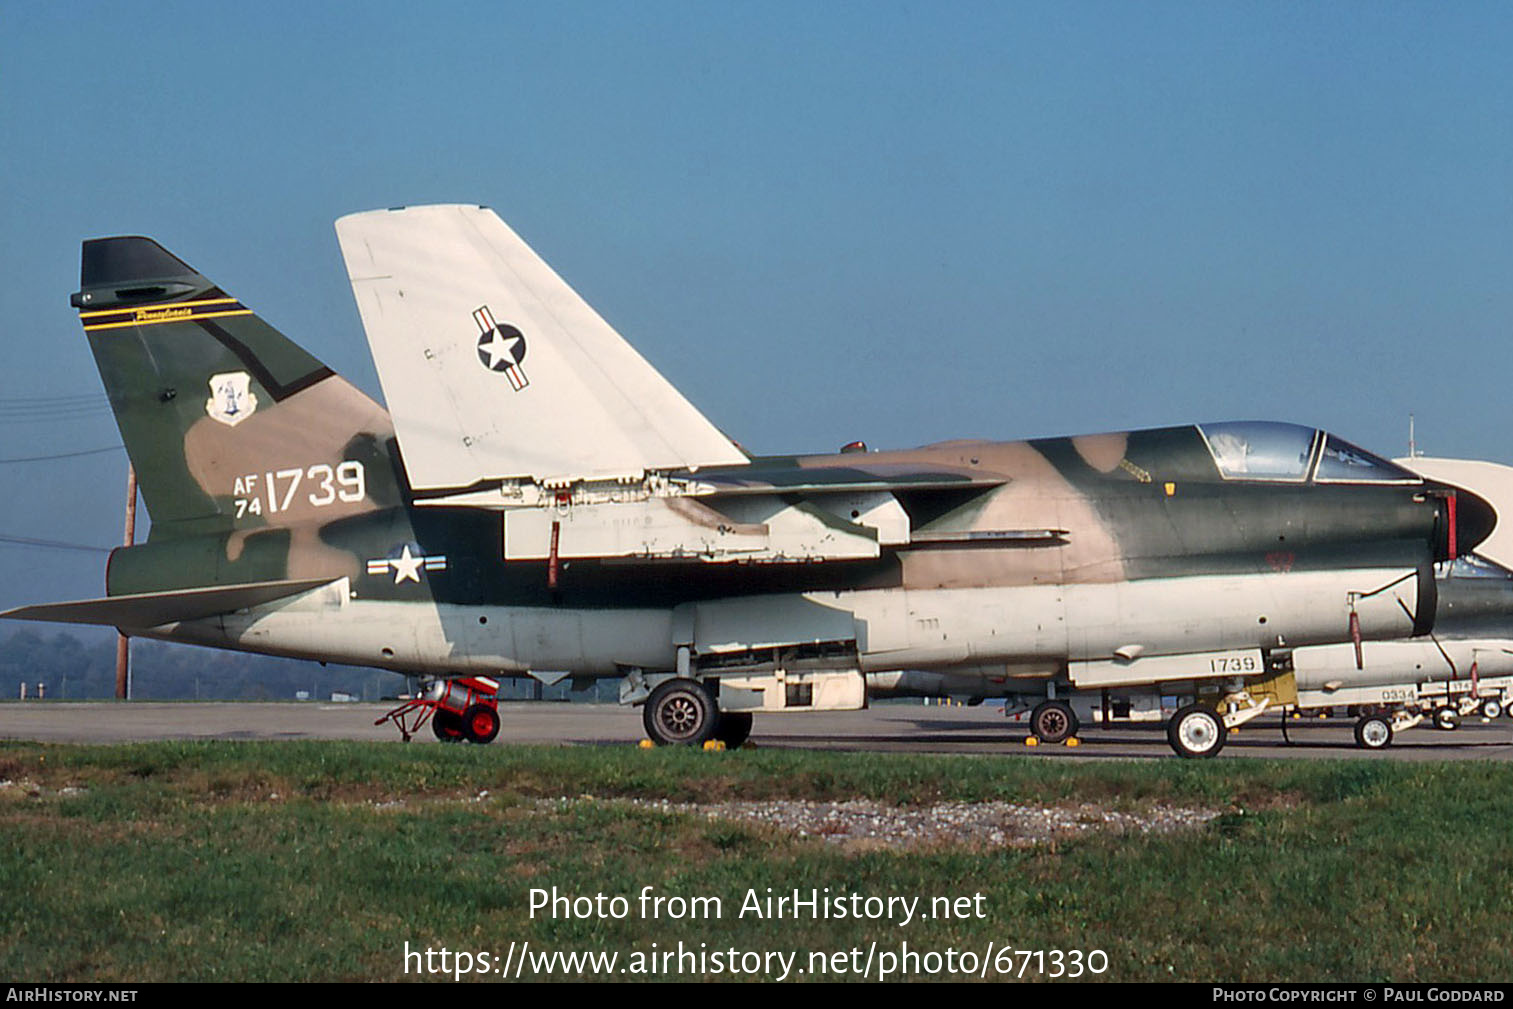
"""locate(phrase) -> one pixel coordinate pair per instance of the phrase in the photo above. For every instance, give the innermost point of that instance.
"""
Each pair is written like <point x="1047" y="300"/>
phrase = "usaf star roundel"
<point x="406" y="562"/>
<point x="501" y="348"/>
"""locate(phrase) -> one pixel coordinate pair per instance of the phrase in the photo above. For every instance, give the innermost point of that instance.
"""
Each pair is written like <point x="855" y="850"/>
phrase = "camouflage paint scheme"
<point x="282" y="522"/>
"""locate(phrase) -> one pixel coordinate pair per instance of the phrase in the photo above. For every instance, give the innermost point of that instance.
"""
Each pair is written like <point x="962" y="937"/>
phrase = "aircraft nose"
<point x="1474" y="519"/>
<point x="1483" y="490"/>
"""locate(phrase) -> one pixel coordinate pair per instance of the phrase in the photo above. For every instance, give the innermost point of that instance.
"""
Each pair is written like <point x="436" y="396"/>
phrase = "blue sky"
<point x="896" y="222"/>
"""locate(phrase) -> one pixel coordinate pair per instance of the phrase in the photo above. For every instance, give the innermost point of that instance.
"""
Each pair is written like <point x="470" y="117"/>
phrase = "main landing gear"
<point x="465" y="709"/>
<point x="1196" y="731"/>
<point x="1053" y="721"/>
<point x="683" y="712"/>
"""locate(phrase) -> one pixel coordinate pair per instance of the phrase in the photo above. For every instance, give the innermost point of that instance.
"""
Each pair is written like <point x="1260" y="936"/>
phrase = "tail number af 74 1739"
<point x="275" y="490"/>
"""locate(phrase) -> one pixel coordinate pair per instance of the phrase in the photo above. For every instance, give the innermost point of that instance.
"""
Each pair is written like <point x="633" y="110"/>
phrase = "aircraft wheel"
<point x="1373" y="732"/>
<point x="1491" y="707"/>
<point x="1446" y="718"/>
<point x="1053" y="721"/>
<point x="481" y="723"/>
<point x="1196" y="731"/>
<point x="734" y="728"/>
<point x="446" y="726"/>
<point x="680" y="713"/>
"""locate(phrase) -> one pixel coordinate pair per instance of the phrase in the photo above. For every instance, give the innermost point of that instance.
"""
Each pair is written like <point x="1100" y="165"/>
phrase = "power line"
<point x="53" y="407"/>
<point x="27" y="541"/>
<point x="51" y="417"/>
<point x="47" y="402"/>
<point x="62" y="455"/>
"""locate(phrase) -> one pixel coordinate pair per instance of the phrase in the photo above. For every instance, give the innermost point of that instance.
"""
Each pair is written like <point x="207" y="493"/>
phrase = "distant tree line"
<point x="73" y="669"/>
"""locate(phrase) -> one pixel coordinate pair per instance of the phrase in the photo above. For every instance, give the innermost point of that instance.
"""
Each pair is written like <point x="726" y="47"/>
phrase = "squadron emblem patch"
<point x="501" y="348"/>
<point x="231" y="398"/>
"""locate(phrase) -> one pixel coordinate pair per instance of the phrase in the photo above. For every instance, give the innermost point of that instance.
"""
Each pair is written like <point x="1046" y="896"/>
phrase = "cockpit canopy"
<point x="1269" y="450"/>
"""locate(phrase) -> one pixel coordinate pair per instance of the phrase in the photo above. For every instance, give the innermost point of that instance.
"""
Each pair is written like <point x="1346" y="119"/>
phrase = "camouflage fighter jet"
<point x="540" y="501"/>
<point x="1463" y="667"/>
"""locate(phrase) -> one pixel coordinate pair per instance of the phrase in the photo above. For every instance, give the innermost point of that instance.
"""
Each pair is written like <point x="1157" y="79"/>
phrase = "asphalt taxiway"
<point x="906" y="728"/>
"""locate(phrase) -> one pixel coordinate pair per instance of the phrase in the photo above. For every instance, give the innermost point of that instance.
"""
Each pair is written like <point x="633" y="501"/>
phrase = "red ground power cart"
<point x="464" y="708"/>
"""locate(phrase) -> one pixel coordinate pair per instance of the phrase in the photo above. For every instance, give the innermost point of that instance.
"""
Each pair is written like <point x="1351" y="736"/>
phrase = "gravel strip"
<point x="868" y="823"/>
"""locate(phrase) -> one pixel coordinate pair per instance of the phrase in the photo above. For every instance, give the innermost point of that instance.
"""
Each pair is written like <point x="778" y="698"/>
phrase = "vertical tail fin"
<point x="232" y="428"/>
<point x="495" y="368"/>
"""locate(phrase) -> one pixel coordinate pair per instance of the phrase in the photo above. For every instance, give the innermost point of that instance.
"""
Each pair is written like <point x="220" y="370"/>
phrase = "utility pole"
<point x="123" y="645"/>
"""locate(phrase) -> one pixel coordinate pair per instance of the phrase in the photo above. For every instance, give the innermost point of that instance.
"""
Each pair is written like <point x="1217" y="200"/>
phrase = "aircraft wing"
<point x="864" y="476"/>
<point x="152" y="609"/>
<point x="494" y="368"/>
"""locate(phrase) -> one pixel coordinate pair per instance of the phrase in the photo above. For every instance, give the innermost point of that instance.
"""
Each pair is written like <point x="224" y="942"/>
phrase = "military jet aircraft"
<point x="539" y="500"/>
<point x="1464" y="666"/>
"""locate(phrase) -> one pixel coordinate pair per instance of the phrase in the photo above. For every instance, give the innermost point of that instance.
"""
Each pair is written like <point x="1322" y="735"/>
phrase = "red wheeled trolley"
<point x="465" y="708"/>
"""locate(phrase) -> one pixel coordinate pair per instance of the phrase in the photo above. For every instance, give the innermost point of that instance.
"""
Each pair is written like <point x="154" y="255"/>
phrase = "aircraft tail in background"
<point x="495" y="369"/>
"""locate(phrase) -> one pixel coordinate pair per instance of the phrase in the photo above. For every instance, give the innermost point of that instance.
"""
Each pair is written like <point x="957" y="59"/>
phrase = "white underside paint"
<point x="983" y="632"/>
<point x="1396" y="663"/>
<point x="1168" y="616"/>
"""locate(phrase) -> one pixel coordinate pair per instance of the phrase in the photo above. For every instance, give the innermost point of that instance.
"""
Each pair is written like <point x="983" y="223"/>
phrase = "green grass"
<point x="178" y="862"/>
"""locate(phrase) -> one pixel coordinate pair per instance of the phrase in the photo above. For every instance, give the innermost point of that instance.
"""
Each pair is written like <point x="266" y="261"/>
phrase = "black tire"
<point x="1196" y="732"/>
<point x="680" y="713"/>
<point x="1492" y="707"/>
<point x="481" y="724"/>
<point x="1446" y="718"/>
<point x="734" y="728"/>
<point x="447" y="726"/>
<point x="1373" y="732"/>
<point x="1053" y="721"/>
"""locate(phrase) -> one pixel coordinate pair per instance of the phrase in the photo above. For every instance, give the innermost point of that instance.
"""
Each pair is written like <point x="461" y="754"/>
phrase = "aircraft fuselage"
<point x="1054" y="550"/>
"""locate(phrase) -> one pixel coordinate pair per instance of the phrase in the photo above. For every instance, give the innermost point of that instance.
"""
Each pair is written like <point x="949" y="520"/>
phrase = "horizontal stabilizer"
<point x="495" y="369"/>
<point x="152" y="609"/>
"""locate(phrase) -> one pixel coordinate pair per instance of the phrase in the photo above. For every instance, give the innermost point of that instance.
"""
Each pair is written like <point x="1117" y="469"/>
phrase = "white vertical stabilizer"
<point x="494" y="368"/>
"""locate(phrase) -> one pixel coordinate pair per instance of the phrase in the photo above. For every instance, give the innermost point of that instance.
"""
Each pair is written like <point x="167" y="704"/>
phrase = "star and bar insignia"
<point x="501" y="348"/>
<point x="407" y="565"/>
